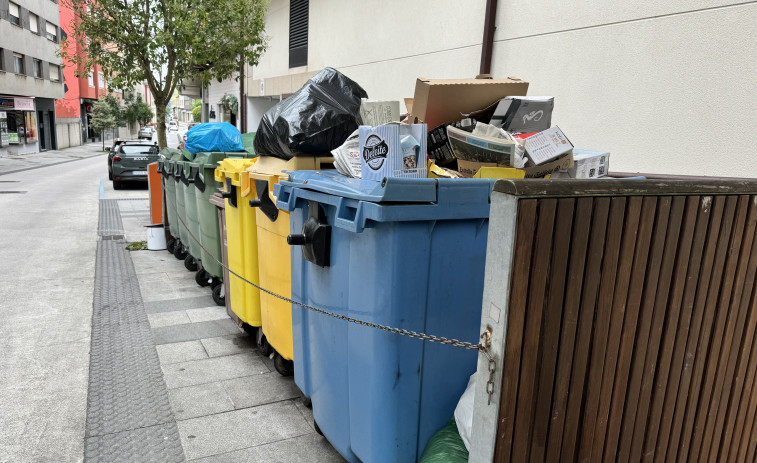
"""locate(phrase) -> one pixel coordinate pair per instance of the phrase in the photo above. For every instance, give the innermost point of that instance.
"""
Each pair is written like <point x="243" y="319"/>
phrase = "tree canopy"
<point x="196" y="110"/>
<point x="103" y="117"/>
<point x="162" y="42"/>
<point x="137" y="110"/>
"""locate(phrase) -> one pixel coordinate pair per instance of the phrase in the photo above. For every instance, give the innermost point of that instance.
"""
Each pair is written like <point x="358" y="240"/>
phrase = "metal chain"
<point x="413" y="334"/>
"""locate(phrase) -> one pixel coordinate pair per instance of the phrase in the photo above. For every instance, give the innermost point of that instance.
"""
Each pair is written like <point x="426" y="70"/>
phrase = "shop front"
<point x="18" y="126"/>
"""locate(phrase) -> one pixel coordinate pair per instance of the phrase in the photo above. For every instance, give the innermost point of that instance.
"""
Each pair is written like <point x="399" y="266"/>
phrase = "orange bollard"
<point x="155" y="186"/>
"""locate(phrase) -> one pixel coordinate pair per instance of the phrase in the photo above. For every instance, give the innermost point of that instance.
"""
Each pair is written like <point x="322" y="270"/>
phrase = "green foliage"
<point x="115" y="109"/>
<point x="196" y="112"/>
<point x="161" y="42"/>
<point x="137" y="246"/>
<point x="137" y="110"/>
<point x="102" y="116"/>
<point x="230" y="103"/>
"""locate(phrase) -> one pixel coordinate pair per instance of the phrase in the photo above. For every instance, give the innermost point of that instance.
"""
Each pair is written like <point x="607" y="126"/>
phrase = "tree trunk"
<point x="160" y="115"/>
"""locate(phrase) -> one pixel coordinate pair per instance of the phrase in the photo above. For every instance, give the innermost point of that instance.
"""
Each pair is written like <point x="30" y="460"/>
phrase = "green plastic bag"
<point x="446" y="446"/>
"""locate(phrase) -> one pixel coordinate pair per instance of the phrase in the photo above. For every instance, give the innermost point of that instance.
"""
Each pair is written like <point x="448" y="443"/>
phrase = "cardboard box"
<point x="469" y="169"/>
<point x="524" y="114"/>
<point x="375" y="113"/>
<point x="547" y="145"/>
<point x="393" y="150"/>
<point x="588" y="164"/>
<point x="443" y="101"/>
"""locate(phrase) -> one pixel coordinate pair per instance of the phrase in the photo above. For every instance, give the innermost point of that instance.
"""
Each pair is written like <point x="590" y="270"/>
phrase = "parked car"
<point x="192" y="124"/>
<point x="130" y="160"/>
<point x="173" y="126"/>
<point x="145" y="132"/>
<point x="116" y="143"/>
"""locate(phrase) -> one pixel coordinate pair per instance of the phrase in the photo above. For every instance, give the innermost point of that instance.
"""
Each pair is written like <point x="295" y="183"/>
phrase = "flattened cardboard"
<point x="443" y="101"/>
<point x="469" y="169"/>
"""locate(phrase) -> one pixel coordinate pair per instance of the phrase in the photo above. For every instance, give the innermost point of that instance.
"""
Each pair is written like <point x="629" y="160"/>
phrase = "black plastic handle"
<point x="255" y="203"/>
<point x="226" y="194"/>
<point x="297" y="240"/>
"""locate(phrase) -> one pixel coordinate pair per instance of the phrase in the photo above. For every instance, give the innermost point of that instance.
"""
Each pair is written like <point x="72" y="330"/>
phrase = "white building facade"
<point x="666" y="87"/>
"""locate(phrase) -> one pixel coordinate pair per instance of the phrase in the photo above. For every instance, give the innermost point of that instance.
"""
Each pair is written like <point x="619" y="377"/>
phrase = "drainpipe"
<point x="488" y="42"/>
<point x="242" y="101"/>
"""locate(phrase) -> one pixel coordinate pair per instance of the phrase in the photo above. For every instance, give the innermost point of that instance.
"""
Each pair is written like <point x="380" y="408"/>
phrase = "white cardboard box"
<point x="588" y="164"/>
<point x="382" y="154"/>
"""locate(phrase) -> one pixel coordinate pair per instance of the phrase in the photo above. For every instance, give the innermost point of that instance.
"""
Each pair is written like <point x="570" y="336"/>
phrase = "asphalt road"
<point x="49" y="237"/>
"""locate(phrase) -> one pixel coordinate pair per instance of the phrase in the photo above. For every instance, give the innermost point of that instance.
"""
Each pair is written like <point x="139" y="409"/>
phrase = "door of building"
<point x="43" y="137"/>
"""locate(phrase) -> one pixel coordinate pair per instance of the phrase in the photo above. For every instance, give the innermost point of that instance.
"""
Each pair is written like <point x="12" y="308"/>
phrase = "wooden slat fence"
<point x="632" y="323"/>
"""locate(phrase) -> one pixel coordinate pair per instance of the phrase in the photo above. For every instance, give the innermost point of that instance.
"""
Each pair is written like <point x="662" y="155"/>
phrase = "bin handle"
<point x="197" y="179"/>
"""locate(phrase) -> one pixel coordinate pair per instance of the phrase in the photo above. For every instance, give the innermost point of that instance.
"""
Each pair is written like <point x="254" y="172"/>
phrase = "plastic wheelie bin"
<point x="182" y="249"/>
<point x="192" y="262"/>
<point x="407" y="253"/>
<point x="273" y="254"/>
<point x="205" y="185"/>
<point x="169" y="186"/>
<point x="241" y="241"/>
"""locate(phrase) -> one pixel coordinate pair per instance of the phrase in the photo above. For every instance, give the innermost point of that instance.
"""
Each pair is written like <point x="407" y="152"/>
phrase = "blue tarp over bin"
<point x="213" y="136"/>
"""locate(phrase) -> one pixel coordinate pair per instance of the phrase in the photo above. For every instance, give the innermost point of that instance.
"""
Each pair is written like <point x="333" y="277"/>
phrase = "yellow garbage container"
<point x="241" y="241"/>
<point x="274" y="254"/>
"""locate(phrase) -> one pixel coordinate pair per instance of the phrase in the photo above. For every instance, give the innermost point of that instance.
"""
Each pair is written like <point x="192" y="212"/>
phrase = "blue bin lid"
<point x="406" y="190"/>
<point x="360" y="202"/>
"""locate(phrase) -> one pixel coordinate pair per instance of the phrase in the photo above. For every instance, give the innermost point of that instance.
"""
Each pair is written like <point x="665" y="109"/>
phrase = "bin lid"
<point x="211" y="159"/>
<point x="405" y="190"/>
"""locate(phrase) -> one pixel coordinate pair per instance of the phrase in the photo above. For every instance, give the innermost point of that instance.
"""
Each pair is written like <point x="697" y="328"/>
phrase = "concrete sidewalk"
<point x="225" y="402"/>
<point x="21" y="162"/>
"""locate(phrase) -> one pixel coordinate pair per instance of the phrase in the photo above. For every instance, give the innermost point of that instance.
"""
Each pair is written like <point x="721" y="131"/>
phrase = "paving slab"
<point x="181" y="352"/>
<point x="239" y="429"/>
<point x="207" y="314"/>
<point x="212" y="369"/>
<point x="177" y="317"/>
<point x="310" y="448"/>
<point x="250" y="391"/>
<point x="229" y="344"/>
<point x="203" y="399"/>
<point x="182" y="303"/>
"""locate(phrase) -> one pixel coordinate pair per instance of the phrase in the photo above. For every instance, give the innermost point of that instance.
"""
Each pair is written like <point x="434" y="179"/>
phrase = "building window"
<point x="54" y="72"/>
<point x="2" y="59"/>
<point x="37" y="68"/>
<point x="18" y="63"/>
<point x="298" y="33"/>
<point x="52" y="32"/>
<point x="91" y="78"/>
<point x="15" y="16"/>
<point x="101" y="79"/>
<point x="34" y="23"/>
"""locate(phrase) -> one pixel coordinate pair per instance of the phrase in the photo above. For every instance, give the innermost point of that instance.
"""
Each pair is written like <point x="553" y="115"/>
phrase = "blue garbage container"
<point x="408" y="253"/>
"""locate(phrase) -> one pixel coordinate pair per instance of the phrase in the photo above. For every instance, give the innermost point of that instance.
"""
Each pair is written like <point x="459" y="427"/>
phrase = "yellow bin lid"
<point x="236" y="170"/>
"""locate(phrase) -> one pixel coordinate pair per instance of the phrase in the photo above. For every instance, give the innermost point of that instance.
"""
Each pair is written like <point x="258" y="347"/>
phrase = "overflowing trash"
<point x="214" y="136"/>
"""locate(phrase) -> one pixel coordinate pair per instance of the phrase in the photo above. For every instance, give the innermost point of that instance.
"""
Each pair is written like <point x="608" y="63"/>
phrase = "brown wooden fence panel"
<point x="632" y="325"/>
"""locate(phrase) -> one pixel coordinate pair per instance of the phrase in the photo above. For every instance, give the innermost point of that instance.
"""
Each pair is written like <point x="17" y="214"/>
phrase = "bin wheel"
<point x="116" y="185"/>
<point x="202" y="277"/>
<point x="317" y="428"/>
<point x="179" y="252"/>
<point x="219" y="296"/>
<point x="283" y="366"/>
<point x="171" y="246"/>
<point x="264" y="348"/>
<point x="190" y="263"/>
<point x="251" y="330"/>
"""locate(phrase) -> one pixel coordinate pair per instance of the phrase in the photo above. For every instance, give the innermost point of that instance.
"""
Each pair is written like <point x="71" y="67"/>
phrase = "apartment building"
<point x="31" y="78"/>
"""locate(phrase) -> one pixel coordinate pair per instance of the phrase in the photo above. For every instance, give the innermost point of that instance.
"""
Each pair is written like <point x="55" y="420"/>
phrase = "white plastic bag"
<point x="464" y="411"/>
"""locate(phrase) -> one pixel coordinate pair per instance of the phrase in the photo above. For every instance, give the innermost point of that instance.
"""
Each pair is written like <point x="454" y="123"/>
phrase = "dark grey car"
<point x="130" y="162"/>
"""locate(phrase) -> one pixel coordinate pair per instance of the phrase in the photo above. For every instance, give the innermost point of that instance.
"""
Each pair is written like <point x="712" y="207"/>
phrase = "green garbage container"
<point x="187" y="187"/>
<point x="166" y="167"/>
<point x="182" y="250"/>
<point x="205" y="185"/>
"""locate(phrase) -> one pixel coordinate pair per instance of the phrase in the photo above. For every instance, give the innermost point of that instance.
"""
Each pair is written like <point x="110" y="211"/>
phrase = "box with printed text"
<point x="393" y="150"/>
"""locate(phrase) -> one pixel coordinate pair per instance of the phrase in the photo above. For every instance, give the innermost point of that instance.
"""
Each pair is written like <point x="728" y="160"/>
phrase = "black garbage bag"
<point x="314" y="120"/>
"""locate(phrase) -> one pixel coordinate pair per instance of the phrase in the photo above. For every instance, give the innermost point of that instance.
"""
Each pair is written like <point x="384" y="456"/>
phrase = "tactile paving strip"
<point x="129" y="417"/>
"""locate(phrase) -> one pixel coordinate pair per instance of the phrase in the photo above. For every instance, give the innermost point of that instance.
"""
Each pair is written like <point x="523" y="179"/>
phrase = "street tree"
<point x="162" y="42"/>
<point x="137" y="111"/>
<point x="196" y="110"/>
<point x="102" y="118"/>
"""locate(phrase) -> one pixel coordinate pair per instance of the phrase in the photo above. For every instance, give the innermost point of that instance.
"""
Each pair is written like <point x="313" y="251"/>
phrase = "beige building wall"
<point x="666" y="87"/>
